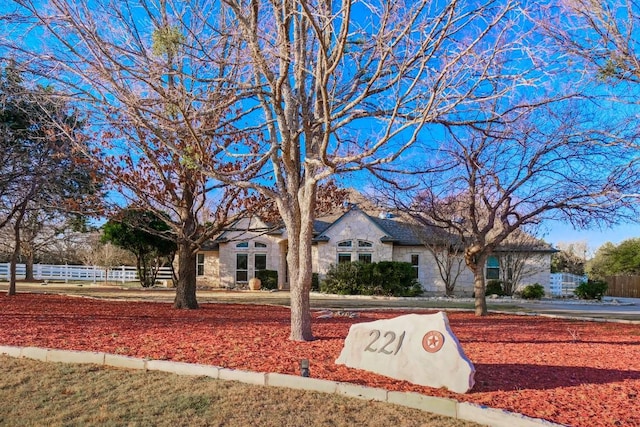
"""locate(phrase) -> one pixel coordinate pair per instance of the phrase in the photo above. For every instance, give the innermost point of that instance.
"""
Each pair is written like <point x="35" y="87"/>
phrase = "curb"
<point x="437" y="405"/>
<point x="566" y="317"/>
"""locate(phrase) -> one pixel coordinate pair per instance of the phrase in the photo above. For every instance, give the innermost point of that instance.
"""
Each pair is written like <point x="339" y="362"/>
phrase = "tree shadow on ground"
<point x="505" y="377"/>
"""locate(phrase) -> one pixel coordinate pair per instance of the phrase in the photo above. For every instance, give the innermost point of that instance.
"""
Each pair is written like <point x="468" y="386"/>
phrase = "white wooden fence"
<point x="93" y="274"/>
<point x="563" y="284"/>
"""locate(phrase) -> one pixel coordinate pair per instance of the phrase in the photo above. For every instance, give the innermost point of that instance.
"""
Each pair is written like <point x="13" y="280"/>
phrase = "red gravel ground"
<point x="571" y="372"/>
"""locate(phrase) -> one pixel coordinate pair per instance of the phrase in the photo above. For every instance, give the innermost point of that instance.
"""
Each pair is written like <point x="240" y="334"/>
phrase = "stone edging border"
<point x="437" y="405"/>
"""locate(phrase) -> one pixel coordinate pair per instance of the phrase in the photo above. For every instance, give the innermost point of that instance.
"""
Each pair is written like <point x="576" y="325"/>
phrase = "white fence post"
<point x="68" y="272"/>
<point x="563" y="284"/>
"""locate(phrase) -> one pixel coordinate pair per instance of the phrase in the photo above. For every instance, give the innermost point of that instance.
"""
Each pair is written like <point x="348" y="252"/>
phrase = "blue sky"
<point x="558" y="232"/>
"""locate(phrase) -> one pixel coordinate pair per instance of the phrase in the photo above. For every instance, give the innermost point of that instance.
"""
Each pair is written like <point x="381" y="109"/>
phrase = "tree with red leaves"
<point x="157" y="86"/>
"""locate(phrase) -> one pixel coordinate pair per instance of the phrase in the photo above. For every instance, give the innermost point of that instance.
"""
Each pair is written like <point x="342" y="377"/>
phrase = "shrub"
<point x="591" y="289"/>
<point x="494" y="287"/>
<point x="535" y="291"/>
<point x="269" y="278"/>
<point x="342" y="279"/>
<point x="315" y="282"/>
<point x="383" y="278"/>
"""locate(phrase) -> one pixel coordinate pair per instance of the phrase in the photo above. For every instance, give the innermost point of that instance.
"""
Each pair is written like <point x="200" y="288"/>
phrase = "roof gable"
<point x="325" y="227"/>
<point x="247" y="228"/>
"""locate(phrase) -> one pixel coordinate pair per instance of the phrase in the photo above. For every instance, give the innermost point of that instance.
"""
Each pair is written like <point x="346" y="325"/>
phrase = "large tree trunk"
<point x="475" y="258"/>
<point x="300" y="274"/>
<point x="186" y="286"/>
<point x="299" y="223"/>
<point x="187" y="250"/>
<point x="479" y="289"/>
<point x="29" y="267"/>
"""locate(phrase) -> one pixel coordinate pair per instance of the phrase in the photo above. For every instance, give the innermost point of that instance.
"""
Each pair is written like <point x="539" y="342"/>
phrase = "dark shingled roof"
<point x="210" y="245"/>
<point x="397" y="230"/>
<point x="400" y="231"/>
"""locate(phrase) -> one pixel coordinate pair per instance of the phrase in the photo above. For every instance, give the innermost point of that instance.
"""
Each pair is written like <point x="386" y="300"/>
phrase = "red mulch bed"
<point x="570" y="372"/>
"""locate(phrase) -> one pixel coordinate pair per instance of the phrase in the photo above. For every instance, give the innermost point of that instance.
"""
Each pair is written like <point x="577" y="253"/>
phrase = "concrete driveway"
<point x="625" y="309"/>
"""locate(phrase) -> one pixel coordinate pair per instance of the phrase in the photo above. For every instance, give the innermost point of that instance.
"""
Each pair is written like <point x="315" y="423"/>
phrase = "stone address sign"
<point x="419" y="348"/>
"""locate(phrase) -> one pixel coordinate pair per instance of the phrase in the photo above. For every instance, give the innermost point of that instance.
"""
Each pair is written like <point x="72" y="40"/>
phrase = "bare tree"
<point x="105" y="255"/>
<point x="446" y="250"/>
<point x="345" y="86"/>
<point x="498" y="178"/>
<point x="39" y="227"/>
<point x="570" y="258"/>
<point x="155" y="80"/>
<point x="520" y="257"/>
<point x="601" y="34"/>
<point x="450" y="263"/>
<point x="324" y="87"/>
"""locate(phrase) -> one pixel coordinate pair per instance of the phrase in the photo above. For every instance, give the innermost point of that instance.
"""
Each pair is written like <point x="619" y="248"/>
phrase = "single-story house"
<point x="250" y="245"/>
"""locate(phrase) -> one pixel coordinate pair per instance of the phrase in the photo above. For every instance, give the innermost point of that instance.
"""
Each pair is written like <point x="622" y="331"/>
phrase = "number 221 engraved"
<point x="389" y="338"/>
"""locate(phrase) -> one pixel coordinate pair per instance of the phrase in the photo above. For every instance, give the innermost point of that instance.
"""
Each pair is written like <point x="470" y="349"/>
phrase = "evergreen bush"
<point x="494" y="287"/>
<point x="388" y="278"/>
<point x="591" y="289"/>
<point x="535" y="291"/>
<point x="341" y="279"/>
<point x="269" y="278"/>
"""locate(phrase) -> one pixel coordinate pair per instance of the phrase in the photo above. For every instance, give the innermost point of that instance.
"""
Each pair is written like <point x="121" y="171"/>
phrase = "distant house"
<point x="250" y="245"/>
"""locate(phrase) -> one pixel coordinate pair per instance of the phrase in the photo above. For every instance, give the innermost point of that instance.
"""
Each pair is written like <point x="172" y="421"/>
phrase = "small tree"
<point x="145" y="235"/>
<point x="45" y="173"/>
<point x="447" y="252"/>
<point x="519" y="257"/>
<point x="570" y="258"/>
<point x="105" y="255"/>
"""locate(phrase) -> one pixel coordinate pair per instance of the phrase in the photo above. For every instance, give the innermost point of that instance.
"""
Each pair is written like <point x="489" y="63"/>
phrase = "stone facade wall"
<point x="211" y="276"/>
<point x="538" y="269"/>
<point x="354" y="226"/>
<point x="228" y="258"/>
<point x="365" y="237"/>
<point x="428" y="273"/>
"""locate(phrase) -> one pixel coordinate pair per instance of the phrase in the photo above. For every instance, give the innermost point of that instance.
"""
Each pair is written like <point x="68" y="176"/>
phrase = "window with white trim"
<point x="493" y="268"/>
<point x="364" y="258"/>
<point x="415" y="263"/>
<point x="259" y="262"/>
<point x="345" y="244"/>
<point x="242" y="268"/>
<point x="344" y="257"/>
<point x="355" y="250"/>
<point x="200" y="264"/>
